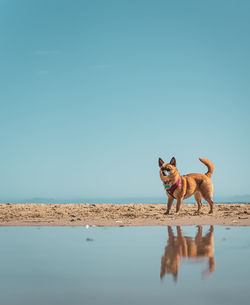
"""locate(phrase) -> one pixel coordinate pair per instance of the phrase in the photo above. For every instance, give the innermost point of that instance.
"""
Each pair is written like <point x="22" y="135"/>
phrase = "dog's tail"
<point x="209" y="165"/>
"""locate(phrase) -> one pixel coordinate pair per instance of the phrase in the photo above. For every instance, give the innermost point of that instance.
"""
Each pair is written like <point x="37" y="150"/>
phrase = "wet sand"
<point x="121" y="215"/>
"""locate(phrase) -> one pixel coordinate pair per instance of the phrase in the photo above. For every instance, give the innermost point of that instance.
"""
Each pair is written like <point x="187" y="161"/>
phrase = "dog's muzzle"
<point x="165" y="172"/>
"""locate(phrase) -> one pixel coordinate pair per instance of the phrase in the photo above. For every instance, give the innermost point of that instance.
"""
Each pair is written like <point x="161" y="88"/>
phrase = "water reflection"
<point x="198" y="249"/>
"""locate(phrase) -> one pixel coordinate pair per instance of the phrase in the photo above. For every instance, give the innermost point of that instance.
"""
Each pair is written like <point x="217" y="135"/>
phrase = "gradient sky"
<point x="93" y="92"/>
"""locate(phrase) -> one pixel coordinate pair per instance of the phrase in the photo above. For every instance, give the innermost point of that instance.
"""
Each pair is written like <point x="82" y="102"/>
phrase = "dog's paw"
<point x="197" y="213"/>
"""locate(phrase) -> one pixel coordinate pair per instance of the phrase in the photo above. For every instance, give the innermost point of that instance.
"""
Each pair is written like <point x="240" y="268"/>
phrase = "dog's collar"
<point x="167" y="184"/>
<point x="171" y="189"/>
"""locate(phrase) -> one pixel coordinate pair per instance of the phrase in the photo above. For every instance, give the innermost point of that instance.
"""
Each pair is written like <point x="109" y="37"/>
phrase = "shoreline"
<point x="38" y="214"/>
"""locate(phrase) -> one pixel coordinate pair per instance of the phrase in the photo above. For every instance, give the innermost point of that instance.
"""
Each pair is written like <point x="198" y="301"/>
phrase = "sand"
<point x="121" y="215"/>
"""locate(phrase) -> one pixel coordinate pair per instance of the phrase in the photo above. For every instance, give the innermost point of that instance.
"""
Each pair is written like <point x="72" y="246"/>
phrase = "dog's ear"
<point x="173" y="161"/>
<point x="160" y="162"/>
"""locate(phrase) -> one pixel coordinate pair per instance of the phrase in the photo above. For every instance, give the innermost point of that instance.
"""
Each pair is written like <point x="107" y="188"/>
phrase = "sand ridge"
<point x="120" y="215"/>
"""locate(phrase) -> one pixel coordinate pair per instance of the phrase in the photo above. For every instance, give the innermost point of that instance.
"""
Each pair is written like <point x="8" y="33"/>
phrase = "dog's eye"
<point x="168" y="169"/>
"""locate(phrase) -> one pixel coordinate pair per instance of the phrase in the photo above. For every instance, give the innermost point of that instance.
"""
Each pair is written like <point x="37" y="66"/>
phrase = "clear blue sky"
<point x="93" y="92"/>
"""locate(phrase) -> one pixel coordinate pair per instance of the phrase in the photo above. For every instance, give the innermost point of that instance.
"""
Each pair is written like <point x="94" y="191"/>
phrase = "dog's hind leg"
<point x="206" y="190"/>
<point x="211" y="203"/>
<point x="209" y="199"/>
<point x="198" y="197"/>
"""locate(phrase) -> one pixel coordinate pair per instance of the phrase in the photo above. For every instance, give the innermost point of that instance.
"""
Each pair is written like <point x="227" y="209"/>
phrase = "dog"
<point x="182" y="187"/>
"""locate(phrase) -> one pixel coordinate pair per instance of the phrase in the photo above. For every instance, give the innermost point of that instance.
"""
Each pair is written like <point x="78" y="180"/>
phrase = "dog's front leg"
<point x="178" y="204"/>
<point x="170" y="201"/>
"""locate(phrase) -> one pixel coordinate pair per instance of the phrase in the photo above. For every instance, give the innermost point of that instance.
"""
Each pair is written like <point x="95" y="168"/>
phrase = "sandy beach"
<point x="121" y="215"/>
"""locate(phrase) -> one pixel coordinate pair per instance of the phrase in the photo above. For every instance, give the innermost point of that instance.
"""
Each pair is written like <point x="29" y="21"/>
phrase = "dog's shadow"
<point x="195" y="250"/>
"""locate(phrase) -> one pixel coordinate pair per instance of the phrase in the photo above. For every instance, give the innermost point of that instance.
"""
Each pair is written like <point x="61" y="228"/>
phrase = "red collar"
<point x="173" y="187"/>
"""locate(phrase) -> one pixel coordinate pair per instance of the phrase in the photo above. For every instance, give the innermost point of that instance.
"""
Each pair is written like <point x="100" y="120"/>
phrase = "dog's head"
<point x="167" y="170"/>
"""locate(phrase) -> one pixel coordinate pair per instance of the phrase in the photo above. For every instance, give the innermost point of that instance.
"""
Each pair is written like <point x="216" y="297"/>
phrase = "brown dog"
<point x="182" y="187"/>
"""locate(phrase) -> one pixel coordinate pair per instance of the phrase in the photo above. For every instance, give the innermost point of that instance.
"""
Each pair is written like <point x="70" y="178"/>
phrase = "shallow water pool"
<point x="124" y="265"/>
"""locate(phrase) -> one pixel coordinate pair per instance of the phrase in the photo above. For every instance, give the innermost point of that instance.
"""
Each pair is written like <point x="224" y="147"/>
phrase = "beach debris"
<point x="118" y="221"/>
<point x="89" y="239"/>
<point x="243" y="217"/>
<point x="78" y="218"/>
<point x="72" y="220"/>
<point x="87" y="226"/>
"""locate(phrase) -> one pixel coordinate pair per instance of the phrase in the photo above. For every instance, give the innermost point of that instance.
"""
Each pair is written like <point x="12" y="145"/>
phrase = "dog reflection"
<point x="180" y="247"/>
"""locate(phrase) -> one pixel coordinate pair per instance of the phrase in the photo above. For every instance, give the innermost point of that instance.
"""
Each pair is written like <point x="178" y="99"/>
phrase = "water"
<point x="142" y="200"/>
<point x="124" y="265"/>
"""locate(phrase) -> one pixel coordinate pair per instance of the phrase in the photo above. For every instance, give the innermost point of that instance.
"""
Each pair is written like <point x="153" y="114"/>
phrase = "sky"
<point x="92" y="93"/>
